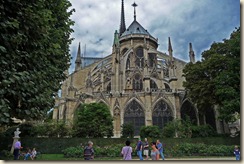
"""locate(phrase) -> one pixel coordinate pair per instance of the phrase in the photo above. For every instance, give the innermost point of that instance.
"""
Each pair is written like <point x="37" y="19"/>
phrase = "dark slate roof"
<point x="135" y="28"/>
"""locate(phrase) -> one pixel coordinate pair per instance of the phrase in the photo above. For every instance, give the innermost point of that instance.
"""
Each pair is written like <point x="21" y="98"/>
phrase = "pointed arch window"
<point x="152" y="60"/>
<point x="139" y="57"/>
<point x="128" y="62"/>
<point x="137" y="82"/>
<point x="162" y="114"/>
<point x="188" y="111"/>
<point x="134" y="114"/>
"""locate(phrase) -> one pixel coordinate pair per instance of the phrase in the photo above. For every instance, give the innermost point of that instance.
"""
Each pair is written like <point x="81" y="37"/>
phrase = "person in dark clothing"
<point x="89" y="151"/>
<point x="237" y="153"/>
<point x="17" y="147"/>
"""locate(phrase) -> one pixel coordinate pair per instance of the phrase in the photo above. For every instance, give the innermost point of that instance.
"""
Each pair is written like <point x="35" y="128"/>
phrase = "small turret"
<point x="170" y="49"/>
<point x="78" y="59"/>
<point x="191" y="54"/>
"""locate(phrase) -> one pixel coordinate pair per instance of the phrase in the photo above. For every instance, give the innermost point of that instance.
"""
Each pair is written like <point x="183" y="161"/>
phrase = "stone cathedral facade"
<point x="137" y="82"/>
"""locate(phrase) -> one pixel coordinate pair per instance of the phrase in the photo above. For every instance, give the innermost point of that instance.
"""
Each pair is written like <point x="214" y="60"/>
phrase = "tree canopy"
<point x="34" y="53"/>
<point x="215" y="81"/>
<point x="93" y="120"/>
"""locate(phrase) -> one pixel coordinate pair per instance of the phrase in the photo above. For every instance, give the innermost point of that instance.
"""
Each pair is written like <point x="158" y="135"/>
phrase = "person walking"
<point x="237" y="153"/>
<point x="146" y="148"/>
<point x="126" y="151"/>
<point x="138" y="148"/>
<point x="17" y="147"/>
<point x="160" y="148"/>
<point x="154" y="151"/>
<point x="89" y="151"/>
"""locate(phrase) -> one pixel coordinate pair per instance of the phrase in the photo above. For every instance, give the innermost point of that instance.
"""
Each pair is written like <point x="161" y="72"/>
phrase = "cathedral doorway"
<point x="134" y="114"/>
<point x="162" y="114"/>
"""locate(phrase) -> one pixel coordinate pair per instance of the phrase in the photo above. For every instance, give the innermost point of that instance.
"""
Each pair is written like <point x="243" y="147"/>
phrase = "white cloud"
<point x="198" y="21"/>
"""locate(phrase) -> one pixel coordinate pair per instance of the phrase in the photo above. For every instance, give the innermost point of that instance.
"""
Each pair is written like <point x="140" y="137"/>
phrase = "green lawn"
<point x="60" y="157"/>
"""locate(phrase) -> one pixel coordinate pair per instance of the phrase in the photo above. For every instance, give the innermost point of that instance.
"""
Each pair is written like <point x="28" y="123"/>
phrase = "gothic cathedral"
<point x="137" y="82"/>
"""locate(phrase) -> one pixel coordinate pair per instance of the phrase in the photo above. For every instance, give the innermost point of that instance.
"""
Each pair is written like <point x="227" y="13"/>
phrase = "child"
<point x="237" y="153"/>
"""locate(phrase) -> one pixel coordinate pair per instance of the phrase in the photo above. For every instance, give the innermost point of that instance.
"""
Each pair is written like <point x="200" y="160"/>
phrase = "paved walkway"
<point x="206" y="158"/>
<point x="198" y="159"/>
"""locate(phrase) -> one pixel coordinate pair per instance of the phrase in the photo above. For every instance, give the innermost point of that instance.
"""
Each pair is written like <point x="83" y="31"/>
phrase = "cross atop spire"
<point x="134" y="5"/>
<point x="122" y="21"/>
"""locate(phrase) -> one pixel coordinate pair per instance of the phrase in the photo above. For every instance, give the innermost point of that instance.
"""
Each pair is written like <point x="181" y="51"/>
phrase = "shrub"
<point x="171" y="128"/>
<point x="73" y="152"/>
<point x="150" y="132"/>
<point x="127" y="130"/>
<point x="6" y="155"/>
<point x="203" y="131"/>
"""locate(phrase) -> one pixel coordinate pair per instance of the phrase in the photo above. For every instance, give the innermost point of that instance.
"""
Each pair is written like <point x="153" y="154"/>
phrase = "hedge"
<point x="57" y="145"/>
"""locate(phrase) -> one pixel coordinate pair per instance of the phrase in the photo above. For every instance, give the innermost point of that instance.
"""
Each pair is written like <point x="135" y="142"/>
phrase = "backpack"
<point x="88" y="152"/>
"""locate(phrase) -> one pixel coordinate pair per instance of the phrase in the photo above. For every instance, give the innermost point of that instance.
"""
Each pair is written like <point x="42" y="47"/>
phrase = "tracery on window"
<point x="152" y="60"/>
<point x="137" y="82"/>
<point x="139" y="57"/>
<point x="134" y="109"/>
<point x="162" y="114"/>
<point x="134" y="114"/>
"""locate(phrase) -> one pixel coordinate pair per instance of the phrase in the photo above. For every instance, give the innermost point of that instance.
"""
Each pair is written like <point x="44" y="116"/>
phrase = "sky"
<point x="200" y="22"/>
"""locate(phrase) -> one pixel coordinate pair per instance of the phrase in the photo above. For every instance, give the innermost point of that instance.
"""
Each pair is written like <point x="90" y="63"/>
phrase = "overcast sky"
<point x="200" y="22"/>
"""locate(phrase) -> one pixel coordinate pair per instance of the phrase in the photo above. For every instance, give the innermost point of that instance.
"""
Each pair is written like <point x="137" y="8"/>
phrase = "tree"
<point x="150" y="131"/>
<point x="93" y="120"/>
<point x="51" y="128"/>
<point x="34" y="53"/>
<point x="127" y="130"/>
<point x="215" y="81"/>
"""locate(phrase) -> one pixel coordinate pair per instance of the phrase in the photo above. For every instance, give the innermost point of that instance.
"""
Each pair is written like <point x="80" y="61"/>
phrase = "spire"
<point x="116" y="38"/>
<point x="134" y="5"/>
<point x="122" y="21"/>
<point x="191" y="54"/>
<point x="170" y="46"/>
<point x="170" y="49"/>
<point x="78" y="59"/>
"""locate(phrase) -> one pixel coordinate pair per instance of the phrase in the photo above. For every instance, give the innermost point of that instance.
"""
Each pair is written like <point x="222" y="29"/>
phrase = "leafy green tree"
<point x="150" y="132"/>
<point x="215" y="81"/>
<point x="34" y="54"/>
<point x="93" y="120"/>
<point x="51" y="129"/>
<point x="127" y="130"/>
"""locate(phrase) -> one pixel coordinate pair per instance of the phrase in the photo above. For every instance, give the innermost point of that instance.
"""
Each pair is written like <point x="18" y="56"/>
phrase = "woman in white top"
<point x="154" y="151"/>
<point x="33" y="153"/>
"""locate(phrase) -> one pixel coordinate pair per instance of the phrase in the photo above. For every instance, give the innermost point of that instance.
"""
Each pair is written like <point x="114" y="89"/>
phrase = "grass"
<point x="60" y="157"/>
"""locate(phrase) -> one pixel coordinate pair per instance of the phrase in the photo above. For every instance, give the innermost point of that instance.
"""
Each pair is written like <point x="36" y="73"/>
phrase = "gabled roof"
<point x="135" y="28"/>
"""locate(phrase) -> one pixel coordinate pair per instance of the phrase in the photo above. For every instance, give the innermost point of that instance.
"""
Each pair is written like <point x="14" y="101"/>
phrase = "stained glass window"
<point x="134" y="114"/>
<point x="162" y="114"/>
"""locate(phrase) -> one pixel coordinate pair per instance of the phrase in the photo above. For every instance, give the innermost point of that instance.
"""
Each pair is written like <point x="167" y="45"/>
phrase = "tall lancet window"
<point x="128" y="62"/>
<point x="139" y="57"/>
<point x="135" y="115"/>
<point x="137" y="82"/>
<point x="152" y="60"/>
<point x="162" y="114"/>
